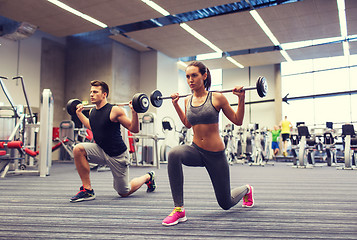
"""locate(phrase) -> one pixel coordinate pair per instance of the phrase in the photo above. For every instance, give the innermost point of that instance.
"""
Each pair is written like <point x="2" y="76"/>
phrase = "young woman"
<point x="207" y="150"/>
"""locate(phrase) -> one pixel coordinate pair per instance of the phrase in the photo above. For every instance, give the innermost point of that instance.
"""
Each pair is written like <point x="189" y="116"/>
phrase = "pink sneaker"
<point x="176" y="216"/>
<point x="248" y="200"/>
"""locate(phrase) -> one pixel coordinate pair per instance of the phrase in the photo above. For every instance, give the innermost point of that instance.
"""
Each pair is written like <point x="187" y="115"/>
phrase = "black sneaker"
<point x="83" y="195"/>
<point x="151" y="183"/>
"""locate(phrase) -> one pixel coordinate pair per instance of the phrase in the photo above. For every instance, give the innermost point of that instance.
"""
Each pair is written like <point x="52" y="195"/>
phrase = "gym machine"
<point x="228" y="139"/>
<point x="249" y="145"/>
<point x="295" y="141"/>
<point x="23" y="137"/>
<point x="170" y="138"/>
<point x="350" y="144"/>
<point x="306" y="148"/>
<point x="165" y="147"/>
<point x="147" y="150"/>
<point x="239" y="152"/>
<point x="260" y="157"/>
<point x="330" y="148"/>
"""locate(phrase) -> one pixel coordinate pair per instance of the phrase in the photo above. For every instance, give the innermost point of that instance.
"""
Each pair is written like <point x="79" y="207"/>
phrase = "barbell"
<point x="261" y="86"/>
<point x="140" y="104"/>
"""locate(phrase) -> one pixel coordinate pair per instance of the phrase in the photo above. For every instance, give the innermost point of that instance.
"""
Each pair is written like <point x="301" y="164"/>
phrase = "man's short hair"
<point x="102" y="84"/>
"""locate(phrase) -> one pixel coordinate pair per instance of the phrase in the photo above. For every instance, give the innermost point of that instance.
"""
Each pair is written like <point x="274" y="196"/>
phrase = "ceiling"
<point x="233" y="33"/>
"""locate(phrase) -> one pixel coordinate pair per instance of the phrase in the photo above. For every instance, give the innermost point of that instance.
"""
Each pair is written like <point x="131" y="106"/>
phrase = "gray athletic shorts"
<point x="119" y="165"/>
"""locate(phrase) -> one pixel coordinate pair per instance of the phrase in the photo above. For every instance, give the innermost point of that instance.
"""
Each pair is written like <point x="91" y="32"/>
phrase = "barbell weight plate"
<point x="265" y="84"/>
<point x="262" y="86"/>
<point x="72" y="106"/>
<point x="155" y="98"/>
<point x="140" y="103"/>
<point x="144" y="102"/>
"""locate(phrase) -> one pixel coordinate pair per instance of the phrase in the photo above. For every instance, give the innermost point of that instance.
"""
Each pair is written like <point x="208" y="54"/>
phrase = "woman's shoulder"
<point x="218" y="95"/>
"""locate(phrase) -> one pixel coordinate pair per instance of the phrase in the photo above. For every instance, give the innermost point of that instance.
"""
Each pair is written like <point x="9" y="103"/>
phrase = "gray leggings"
<point x="217" y="168"/>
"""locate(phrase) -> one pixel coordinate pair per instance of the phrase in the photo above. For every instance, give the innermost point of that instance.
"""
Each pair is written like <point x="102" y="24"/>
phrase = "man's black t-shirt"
<point x="105" y="132"/>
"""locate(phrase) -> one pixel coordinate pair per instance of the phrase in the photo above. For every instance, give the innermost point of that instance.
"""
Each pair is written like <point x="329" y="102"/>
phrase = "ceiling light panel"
<point x="156" y="7"/>
<point x="305" y="20"/>
<point x="242" y="32"/>
<point x="78" y="13"/>
<point x="176" y="7"/>
<point x="342" y="17"/>
<point x="115" y="12"/>
<point x="264" y="27"/>
<point x="171" y="40"/>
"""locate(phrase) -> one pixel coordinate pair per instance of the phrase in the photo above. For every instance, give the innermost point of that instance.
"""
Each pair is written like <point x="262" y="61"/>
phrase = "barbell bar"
<point x="140" y="104"/>
<point x="261" y="86"/>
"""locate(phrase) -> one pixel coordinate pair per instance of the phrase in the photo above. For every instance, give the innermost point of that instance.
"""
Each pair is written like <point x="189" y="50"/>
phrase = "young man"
<point x="285" y="126"/>
<point x="109" y="148"/>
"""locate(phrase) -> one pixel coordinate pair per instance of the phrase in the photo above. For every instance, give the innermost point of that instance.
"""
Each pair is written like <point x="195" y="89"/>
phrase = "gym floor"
<point x="290" y="203"/>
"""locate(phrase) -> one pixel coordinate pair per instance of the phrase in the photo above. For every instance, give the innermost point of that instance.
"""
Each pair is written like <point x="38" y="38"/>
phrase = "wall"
<point x="53" y="76"/>
<point x="168" y="83"/>
<point x="159" y="71"/>
<point x="66" y="66"/>
<point x="126" y="73"/>
<point x="21" y="58"/>
<point x="25" y="58"/>
<point x="278" y="94"/>
<point x="148" y="74"/>
<point x="88" y="57"/>
<point x="261" y="113"/>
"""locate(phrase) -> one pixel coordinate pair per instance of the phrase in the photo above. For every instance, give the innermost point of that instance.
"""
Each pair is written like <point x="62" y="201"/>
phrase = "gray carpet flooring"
<point x="290" y="203"/>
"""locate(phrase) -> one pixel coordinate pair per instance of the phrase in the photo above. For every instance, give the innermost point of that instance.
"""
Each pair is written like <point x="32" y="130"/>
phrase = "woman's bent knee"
<point x="225" y="206"/>
<point x="175" y="154"/>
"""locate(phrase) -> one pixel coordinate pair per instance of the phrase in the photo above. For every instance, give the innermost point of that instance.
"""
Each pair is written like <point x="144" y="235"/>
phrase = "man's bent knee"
<point x="124" y="194"/>
<point x="79" y="150"/>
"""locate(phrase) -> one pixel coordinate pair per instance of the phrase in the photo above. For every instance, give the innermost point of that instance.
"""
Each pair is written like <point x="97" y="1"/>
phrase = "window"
<point x="216" y="76"/>
<point x="314" y="77"/>
<point x="216" y="84"/>
<point x="298" y="85"/>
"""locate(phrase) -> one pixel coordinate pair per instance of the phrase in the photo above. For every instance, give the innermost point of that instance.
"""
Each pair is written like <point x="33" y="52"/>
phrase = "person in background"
<point x="275" y="133"/>
<point x="285" y="126"/>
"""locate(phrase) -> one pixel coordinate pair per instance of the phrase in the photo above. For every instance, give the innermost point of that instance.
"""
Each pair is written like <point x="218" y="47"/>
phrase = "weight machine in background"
<point x="350" y="146"/>
<point x="322" y="145"/>
<point x="22" y="128"/>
